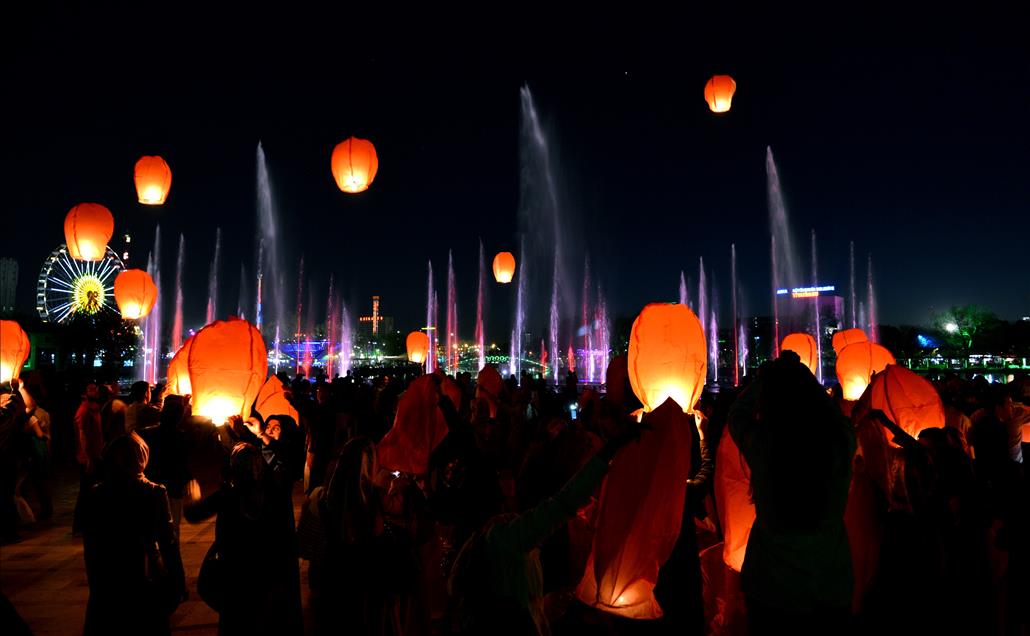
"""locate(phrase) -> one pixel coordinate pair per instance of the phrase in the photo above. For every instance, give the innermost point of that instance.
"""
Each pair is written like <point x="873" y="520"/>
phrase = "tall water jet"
<point x="851" y="261"/>
<point x="241" y="302"/>
<point x="308" y="336"/>
<point x="430" y="327"/>
<point x="871" y="301"/>
<point x="863" y="324"/>
<point x="480" y="335"/>
<point x="452" y="317"/>
<point x="142" y="373"/>
<point x="553" y="324"/>
<point x="330" y="328"/>
<point x="436" y="322"/>
<point x="601" y="337"/>
<point x="298" y="335"/>
<point x="785" y="270"/>
<point x="515" y="360"/>
<point x="713" y="346"/>
<point x="152" y="323"/>
<point x="683" y="290"/>
<point x="346" y="340"/>
<point x="817" y="331"/>
<point x="587" y="327"/>
<point x="743" y="348"/>
<point x="702" y="299"/>
<point x="177" y="320"/>
<point x="736" y="317"/>
<point x="212" y="281"/>
<point x="268" y="267"/>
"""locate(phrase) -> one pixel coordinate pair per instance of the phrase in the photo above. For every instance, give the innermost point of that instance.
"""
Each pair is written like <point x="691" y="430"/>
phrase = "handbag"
<point x="211" y="582"/>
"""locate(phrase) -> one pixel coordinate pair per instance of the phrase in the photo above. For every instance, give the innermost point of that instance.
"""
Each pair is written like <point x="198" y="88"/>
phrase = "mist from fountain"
<point x="743" y="348"/>
<point x="851" y="263"/>
<point x="330" y="327"/>
<point x="452" y="317"/>
<point x="874" y="335"/>
<point x="479" y="333"/>
<point x="553" y="325"/>
<point x="515" y="358"/>
<point x="346" y="340"/>
<point x="702" y="298"/>
<point x="587" y="326"/>
<point x="430" y="327"/>
<point x="212" y="281"/>
<point x="817" y="330"/>
<point x="786" y="273"/>
<point x="177" y="319"/>
<point x="602" y="331"/>
<point x="241" y="302"/>
<point x="683" y="290"/>
<point x="736" y="316"/>
<point x="298" y="334"/>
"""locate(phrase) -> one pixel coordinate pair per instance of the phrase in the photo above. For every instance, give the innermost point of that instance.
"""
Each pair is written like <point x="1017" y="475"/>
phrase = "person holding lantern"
<point x="796" y="574"/>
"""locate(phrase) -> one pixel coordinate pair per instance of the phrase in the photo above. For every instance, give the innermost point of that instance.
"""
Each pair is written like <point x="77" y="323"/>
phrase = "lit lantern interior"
<point x="14" y="349"/>
<point x="504" y="267"/>
<point x="856" y="363"/>
<point x="354" y="165"/>
<point x="668" y="357"/>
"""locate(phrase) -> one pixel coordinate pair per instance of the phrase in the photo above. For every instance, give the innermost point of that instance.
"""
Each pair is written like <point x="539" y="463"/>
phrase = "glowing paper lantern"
<point x="87" y="229"/>
<point x="856" y="363"/>
<point x="845" y="337"/>
<point x="804" y="345"/>
<point x="179" y="371"/>
<point x="667" y="356"/>
<point x="907" y="399"/>
<point x="733" y="497"/>
<point x="14" y="349"/>
<point x="271" y="400"/>
<point x="419" y="425"/>
<point x="638" y="517"/>
<point x="354" y="164"/>
<point x="153" y="180"/>
<point x="418" y="347"/>
<point x="228" y="364"/>
<point x="135" y="293"/>
<point x="719" y="93"/>
<point x="504" y="267"/>
<point x="490" y="386"/>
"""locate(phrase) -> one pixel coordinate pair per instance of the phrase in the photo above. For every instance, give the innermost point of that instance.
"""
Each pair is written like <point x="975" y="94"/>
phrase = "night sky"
<point x="911" y="142"/>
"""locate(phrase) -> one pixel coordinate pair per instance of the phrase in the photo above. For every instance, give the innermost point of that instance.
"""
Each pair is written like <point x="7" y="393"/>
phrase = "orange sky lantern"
<point x="733" y="497"/>
<point x="153" y="180"/>
<point x="271" y="400"/>
<point x="667" y="356"/>
<point x="504" y="267"/>
<point x="354" y="164"/>
<point x="14" y="349"/>
<point x="804" y="345"/>
<point x="135" y="293"/>
<point x="719" y="93"/>
<point x="418" y="347"/>
<point x="907" y="399"/>
<point x="419" y="425"/>
<point x="228" y="364"/>
<point x="856" y="363"/>
<point x="179" y="372"/>
<point x="845" y="337"/>
<point x="87" y="229"/>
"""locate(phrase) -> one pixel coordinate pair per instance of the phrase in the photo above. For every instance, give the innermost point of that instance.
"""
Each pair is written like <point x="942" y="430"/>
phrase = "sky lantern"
<point x="845" y="337"/>
<point x="504" y="267"/>
<point x="355" y="164"/>
<point x="733" y="498"/>
<point x="639" y="514"/>
<point x="153" y="180"/>
<point x="803" y="345"/>
<point x="14" y="349"/>
<point x="667" y="356"/>
<point x="179" y="372"/>
<point x="418" y="347"/>
<point x="228" y="364"/>
<point x="271" y="400"/>
<point x="87" y="229"/>
<point x="419" y="425"/>
<point x="135" y="293"/>
<point x="856" y="363"/>
<point x="907" y="399"/>
<point x="719" y="93"/>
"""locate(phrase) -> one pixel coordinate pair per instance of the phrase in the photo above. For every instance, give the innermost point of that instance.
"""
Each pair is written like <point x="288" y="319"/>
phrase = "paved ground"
<point x="44" y="576"/>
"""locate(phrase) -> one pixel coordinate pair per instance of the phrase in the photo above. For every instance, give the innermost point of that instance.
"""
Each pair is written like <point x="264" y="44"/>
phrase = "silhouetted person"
<point x="140" y="413"/>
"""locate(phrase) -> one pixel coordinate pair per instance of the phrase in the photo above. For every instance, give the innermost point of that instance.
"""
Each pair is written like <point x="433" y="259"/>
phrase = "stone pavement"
<point x="44" y="576"/>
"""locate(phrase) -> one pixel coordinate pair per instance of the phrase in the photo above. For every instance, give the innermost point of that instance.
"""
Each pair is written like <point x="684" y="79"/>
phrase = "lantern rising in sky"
<point x="845" y="337"/>
<point x="856" y="363"/>
<point x="228" y="364"/>
<point x="504" y="267"/>
<point x="803" y="345"/>
<point x="87" y="229"/>
<point x="719" y="93"/>
<point x="418" y="347"/>
<point x="135" y="293"/>
<point x="668" y="356"/>
<point x="153" y="180"/>
<point x="354" y="165"/>
<point x="14" y="349"/>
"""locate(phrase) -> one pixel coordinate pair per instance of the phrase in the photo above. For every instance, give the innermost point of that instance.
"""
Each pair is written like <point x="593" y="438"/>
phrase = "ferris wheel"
<point x="67" y="286"/>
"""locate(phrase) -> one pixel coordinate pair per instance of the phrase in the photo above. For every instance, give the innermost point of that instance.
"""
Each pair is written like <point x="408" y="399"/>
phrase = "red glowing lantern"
<point x="228" y="364"/>
<point x="271" y="400"/>
<point x="419" y="425"/>
<point x="153" y="179"/>
<point x="733" y="497"/>
<point x="856" y="363"/>
<point x="490" y="386"/>
<point x="135" y="293"/>
<point x="14" y="349"/>
<point x="719" y="93"/>
<point x="804" y="345"/>
<point x="667" y="356"/>
<point x="907" y="399"/>
<point x="845" y="337"/>
<point x="418" y="347"/>
<point x="354" y="164"/>
<point x="179" y="371"/>
<point x="87" y="229"/>
<point x="638" y="517"/>
<point x="504" y="267"/>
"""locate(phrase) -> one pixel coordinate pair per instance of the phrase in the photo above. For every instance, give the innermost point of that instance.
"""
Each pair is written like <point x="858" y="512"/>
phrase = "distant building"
<point x="8" y="284"/>
<point x="375" y="325"/>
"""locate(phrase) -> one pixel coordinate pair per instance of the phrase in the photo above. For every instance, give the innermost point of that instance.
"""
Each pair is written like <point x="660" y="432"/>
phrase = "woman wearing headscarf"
<point x="132" y="560"/>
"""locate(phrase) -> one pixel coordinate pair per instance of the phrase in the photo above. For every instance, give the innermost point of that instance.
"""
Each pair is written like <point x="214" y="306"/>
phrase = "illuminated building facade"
<point x="376" y="324"/>
<point x="8" y="284"/>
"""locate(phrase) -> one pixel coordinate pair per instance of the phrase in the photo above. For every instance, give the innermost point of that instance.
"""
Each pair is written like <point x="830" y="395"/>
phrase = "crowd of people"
<point x="494" y="536"/>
